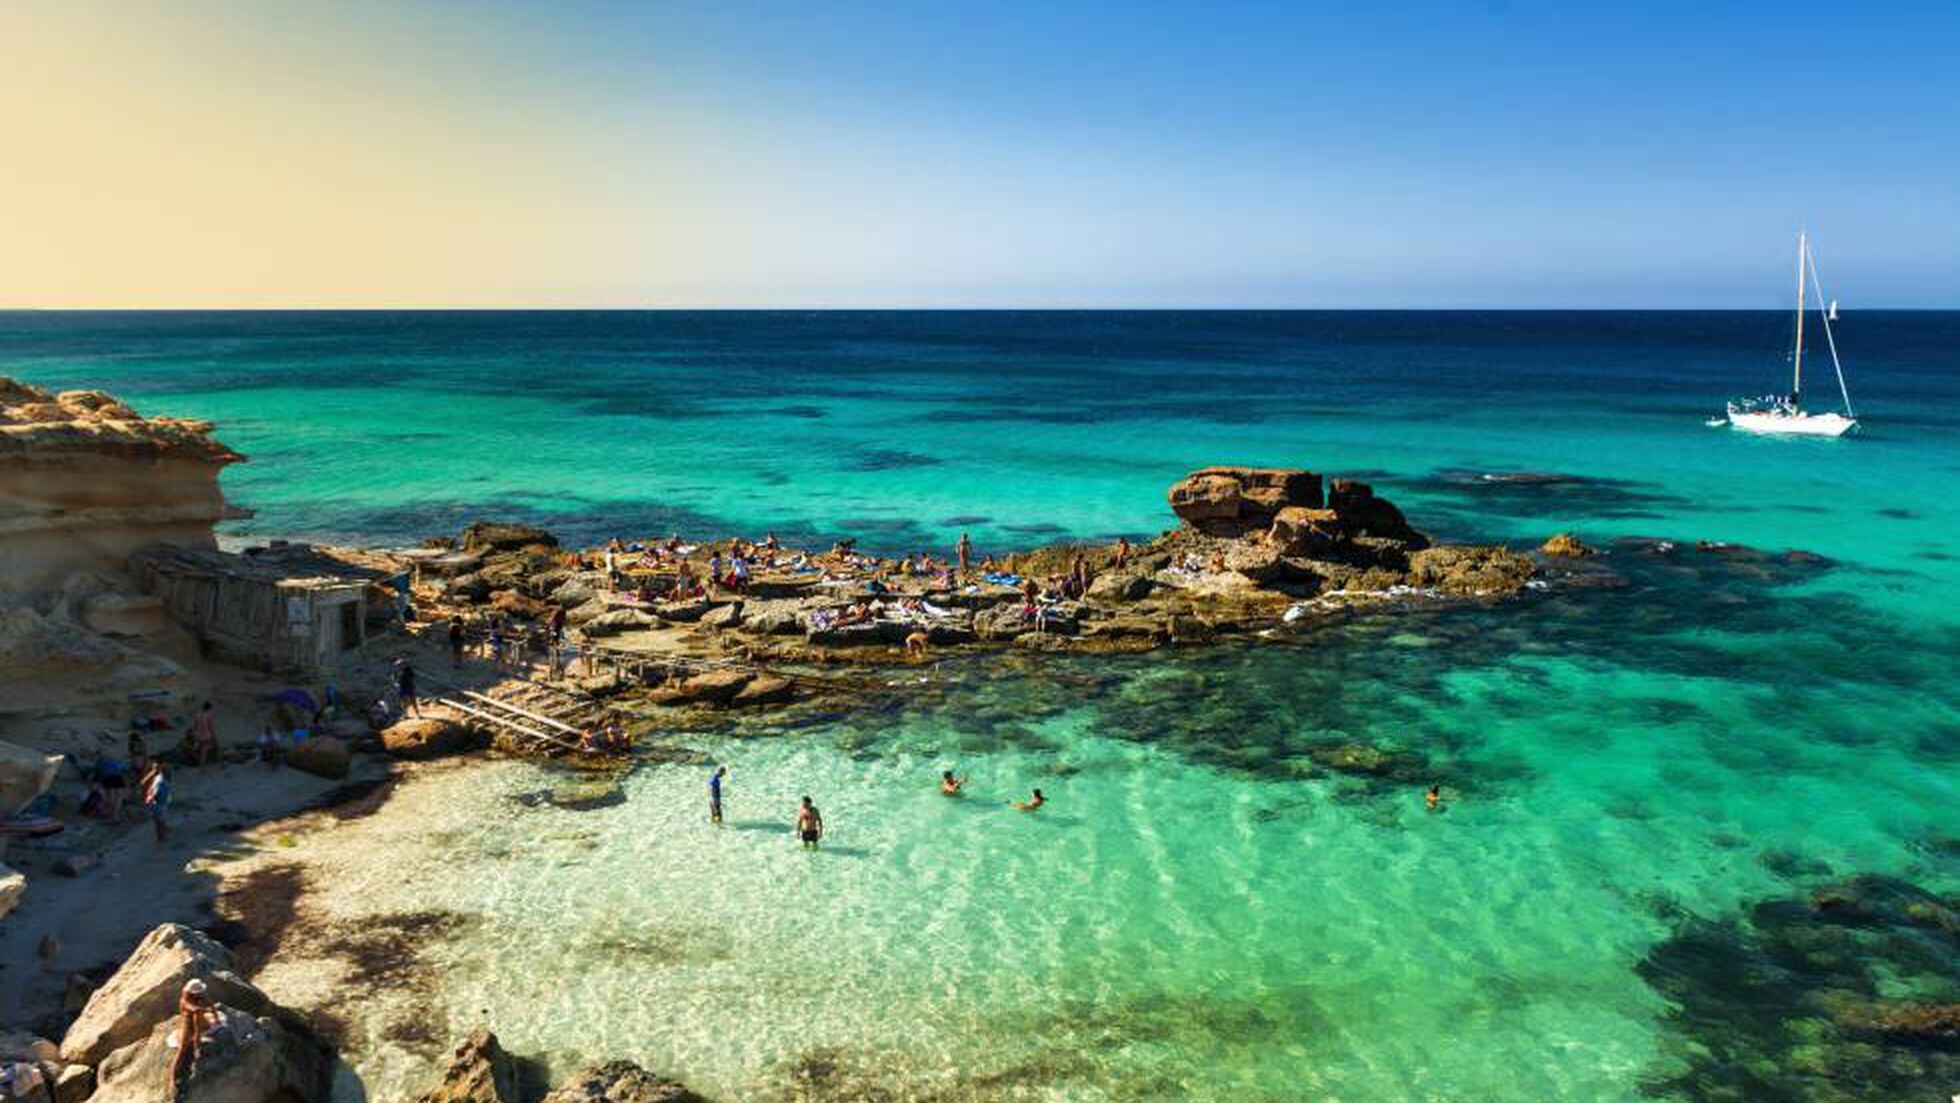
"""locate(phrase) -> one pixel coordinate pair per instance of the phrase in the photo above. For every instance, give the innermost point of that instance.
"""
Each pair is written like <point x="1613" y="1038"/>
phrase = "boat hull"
<point x="1785" y="424"/>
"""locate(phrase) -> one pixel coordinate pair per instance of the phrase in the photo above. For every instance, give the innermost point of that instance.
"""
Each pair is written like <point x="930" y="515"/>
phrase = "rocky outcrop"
<point x="144" y="992"/>
<point x="621" y="1082"/>
<point x="486" y="536"/>
<point x="1237" y="501"/>
<point x="1564" y="545"/>
<point x="1362" y="514"/>
<point x="24" y="774"/>
<point x="85" y="481"/>
<point x="479" y="1072"/>
<point x="13" y="886"/>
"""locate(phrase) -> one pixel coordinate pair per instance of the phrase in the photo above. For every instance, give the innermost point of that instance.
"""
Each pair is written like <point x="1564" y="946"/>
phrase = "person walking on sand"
<point x="156" y="798"/>
<point x="965" y="550"/>
<point x="809" y="824"/>
<point x="405" y="687"/>
<point x="714" y="793"/>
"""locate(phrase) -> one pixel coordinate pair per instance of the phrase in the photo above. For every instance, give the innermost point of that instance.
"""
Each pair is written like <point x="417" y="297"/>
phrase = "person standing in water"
<point x="950" y="785"/>
<point x="1434" y="799"/>
<point x="714" y="793"/>
<point x="809" y="824"/>
<point x="1032" y="804"/>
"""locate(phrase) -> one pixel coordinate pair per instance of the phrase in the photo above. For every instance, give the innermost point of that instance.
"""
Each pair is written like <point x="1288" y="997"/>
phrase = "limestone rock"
<point x="1125" y="586"/>
<point x="1235" y="501"/>
<point x="1299" y="531"/>
<point x="470" y="588"/>
<point x="576" y="591"/>
<point x="780" y="617"/>
<point x="716" y="686"/>
<point x="143" y="993"/>
<point x="684" y="611"/>
<point x="765" y="689"/>
<point x="505" y="536"/>
<point x="618" y="621"/>
<point x="428" y="737"/>
<point x="513" y="603"/>
<point x="1363" y="514"/>
<point x="1470" y="571"/>
<point x="479" y="1072"/>
<point x="322" y="756"/>
<point x="586" y="613"/>
<point x="251" y="1059"/>
<point x="723" y="616"/>
<point x="125" y="615"/>
<point x="620" y="1082"/>
<point x="25" y="773"/>
<point x="1565" y="545"/>
<point x="13" y="886"/>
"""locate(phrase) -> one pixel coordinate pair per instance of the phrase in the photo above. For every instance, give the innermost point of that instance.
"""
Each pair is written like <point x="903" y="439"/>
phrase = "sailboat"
<point x="1785" y="413"/>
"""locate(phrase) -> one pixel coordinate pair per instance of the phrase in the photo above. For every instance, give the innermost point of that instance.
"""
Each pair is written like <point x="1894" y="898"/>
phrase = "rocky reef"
<point x="1844" y="994"/>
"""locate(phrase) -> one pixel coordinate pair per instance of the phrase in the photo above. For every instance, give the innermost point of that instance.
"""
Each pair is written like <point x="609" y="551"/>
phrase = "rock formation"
<point x="479" y="1072"/>
<point x="85" y="481"/>
<point x="1239" y="501"/>
<point x="620" y="1082"/>
<point x="262" y="1053"/>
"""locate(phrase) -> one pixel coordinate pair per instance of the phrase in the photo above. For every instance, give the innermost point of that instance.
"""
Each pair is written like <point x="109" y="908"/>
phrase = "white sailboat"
<point x="1785" y="413"/>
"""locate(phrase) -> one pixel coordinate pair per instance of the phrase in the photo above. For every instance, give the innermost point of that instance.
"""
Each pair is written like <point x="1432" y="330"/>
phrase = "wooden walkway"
<point x="552" y="718"/>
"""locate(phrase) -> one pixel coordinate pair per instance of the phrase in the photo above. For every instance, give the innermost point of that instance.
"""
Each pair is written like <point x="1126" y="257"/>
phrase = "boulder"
<point x="251" y="1059"/>
<point x="322" y="756"/>
<point x="515" y="604"/>
<point x="576" y="591"/>
<point x="479" y="1072"/>
<point x="1259" y="562"/>
<point x="620" y="1082"/>
<point x="1299" y="531"/>
<point x="772" y="618"/>
<point x="13" y="886"/>
<point x="1234" y="501"/>
<point x="424" y="737"/>
<point x="143" y="993"/>
<point x="126" y="615"/>
<point x="505" y="536"/>
<point x="1565" y="545"/>
<point x="25" y="773"/>
<point x="618" y="621"/>
<point x="591" y="610"/>
<point x="1002" y="622"/>
<point x="765" y="689"/>
<point x="723" y="616"/>
<point x="470" y="588"/>
<point x="1363" y="514"/>
<point x="1126" y="586"/>
<point x="716" y="686"/>
<point x="683" y="611"/>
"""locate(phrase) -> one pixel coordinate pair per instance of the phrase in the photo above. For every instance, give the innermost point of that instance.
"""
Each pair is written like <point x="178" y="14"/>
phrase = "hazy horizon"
<point x="605" y="155"/>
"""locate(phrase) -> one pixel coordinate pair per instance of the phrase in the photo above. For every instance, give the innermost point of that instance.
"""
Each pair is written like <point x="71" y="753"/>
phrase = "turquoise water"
<point x="1647" y="783"/>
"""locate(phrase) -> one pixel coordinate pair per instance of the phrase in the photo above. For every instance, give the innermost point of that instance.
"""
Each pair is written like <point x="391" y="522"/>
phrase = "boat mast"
<point x="1796" y="384"/>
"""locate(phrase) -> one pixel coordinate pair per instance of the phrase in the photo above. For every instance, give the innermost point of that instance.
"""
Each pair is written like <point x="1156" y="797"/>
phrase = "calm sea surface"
<point x="1651" y="785"/>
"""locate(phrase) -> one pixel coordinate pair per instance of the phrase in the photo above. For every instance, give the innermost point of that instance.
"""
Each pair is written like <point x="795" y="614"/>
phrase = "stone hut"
<point x="289" y="608"/>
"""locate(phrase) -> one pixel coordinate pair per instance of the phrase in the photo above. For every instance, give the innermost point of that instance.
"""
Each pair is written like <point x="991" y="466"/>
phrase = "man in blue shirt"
<point x="714" y="793"/>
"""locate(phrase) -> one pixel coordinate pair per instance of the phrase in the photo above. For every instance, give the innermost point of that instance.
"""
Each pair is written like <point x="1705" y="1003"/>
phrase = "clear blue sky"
<point x="834" y="153"/>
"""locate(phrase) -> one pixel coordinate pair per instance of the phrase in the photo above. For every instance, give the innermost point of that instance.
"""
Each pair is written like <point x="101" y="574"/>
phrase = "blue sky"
<point x="1143" y="154"/>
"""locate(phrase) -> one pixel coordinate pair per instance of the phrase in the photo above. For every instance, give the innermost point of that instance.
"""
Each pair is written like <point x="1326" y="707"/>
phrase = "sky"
<point x="1507" y="153"/>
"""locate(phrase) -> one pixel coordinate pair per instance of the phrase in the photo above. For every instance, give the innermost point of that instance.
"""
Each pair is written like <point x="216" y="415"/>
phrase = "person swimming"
<point x="950" y="785"/>
<point x="1032" y="804"/>
<point x="1434" y="799"/>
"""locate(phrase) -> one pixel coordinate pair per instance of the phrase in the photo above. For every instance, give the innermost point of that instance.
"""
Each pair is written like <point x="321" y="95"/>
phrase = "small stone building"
<point x="288" y="608"/>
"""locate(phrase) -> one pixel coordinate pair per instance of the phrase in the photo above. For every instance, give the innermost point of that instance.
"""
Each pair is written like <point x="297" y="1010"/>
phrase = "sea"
<point x="1700" y="837"/>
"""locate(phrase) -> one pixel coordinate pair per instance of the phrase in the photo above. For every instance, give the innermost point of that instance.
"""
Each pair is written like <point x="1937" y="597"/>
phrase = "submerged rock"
<point x="505" y="536"/>
<point x="479" y="1072"/>
<point x="621" y="1082"/>
<point x="1566" y="546"/>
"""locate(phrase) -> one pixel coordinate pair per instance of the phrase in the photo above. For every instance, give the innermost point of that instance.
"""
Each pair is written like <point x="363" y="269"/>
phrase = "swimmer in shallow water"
<point x="809" y="824"/>
<point x="952" y="786"/>
<point x="1032" y="804"/>
<point x="1434" y="800"/>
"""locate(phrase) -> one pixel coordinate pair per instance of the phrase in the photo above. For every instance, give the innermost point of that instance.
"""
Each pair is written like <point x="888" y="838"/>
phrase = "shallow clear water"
<point x="1637" y="776"/>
